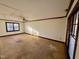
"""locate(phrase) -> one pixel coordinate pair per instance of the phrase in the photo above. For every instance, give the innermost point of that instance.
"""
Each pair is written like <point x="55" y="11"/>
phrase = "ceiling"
<point x="34" y="9"/>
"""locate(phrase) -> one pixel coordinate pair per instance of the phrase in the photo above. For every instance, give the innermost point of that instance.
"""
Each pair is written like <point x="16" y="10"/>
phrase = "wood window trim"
<point x="13" y="26"/>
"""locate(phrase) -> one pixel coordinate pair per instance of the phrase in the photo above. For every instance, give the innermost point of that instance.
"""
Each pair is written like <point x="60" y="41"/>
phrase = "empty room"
<point x="39" y="29"/>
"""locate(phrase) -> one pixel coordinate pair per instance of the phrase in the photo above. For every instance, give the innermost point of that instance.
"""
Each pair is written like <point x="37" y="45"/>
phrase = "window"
<point x="74" y="25"/>
<point x="11" y="26"/>
<point x="16" y="26"/>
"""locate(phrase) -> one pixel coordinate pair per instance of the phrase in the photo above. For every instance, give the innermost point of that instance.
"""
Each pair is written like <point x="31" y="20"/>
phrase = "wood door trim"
<point x="70" y="5"/>
<point x="75" y="40"/>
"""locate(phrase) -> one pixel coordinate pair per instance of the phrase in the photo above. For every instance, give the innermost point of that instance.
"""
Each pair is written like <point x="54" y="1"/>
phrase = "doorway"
<point x="72" y="34"/>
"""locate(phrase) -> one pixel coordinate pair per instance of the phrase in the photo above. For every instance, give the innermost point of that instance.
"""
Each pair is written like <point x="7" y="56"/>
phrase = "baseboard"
<point x="34" y="35"/>
<point x="47" y="38"/>
<point x="12" y="34"/>
<point x="52" y="39"/>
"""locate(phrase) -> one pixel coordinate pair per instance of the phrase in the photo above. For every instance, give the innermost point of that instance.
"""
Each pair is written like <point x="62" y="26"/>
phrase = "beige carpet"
<point x="25" y="46"/>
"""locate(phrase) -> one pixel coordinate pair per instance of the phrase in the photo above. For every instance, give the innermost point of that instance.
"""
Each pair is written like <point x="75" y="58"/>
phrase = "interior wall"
<point x="54" y="29"/>
<point x="3" y="28"/>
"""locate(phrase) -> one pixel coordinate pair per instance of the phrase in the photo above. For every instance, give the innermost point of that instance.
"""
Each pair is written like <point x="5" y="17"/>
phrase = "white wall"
<point x="3" y="28"/>
<point x="54" y="29"/>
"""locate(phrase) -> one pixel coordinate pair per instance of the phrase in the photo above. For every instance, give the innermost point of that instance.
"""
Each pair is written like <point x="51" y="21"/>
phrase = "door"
<point x="73" y="34"/>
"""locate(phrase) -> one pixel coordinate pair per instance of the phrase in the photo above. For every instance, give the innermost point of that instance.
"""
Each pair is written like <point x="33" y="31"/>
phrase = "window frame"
<point x="13" y="27"/>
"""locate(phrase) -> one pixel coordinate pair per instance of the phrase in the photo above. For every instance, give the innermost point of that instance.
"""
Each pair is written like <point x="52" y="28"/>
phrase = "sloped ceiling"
<point x="34" y="9"/>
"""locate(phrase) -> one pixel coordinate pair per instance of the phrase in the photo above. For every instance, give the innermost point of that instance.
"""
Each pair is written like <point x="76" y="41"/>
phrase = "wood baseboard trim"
<point x="12" y="34"/>
<point x="34" y="35"/>
<point x="52" y="39"/>
<point x="47" y="38"/>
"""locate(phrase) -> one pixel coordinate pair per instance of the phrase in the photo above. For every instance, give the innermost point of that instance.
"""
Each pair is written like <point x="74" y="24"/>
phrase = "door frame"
<point x="76" y="8"/>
